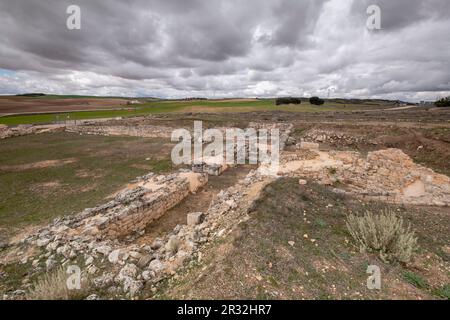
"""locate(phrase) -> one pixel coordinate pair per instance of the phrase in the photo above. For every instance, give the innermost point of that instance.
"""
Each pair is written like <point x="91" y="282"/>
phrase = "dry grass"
<point x="384" y="233"/>
<point x="53" y="286"/>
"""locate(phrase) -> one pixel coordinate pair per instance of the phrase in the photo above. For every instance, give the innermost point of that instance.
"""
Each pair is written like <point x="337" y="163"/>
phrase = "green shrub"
<point x="316" y="101"/>
<point x="414" y="279"/>
<point x="384" y="233"/>
<point x="444" y="102"/>
<point x="288" y="100"/>
<point x="443" y="292"/>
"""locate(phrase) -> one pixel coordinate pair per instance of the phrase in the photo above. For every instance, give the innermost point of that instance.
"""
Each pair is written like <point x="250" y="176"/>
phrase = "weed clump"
<point x="53" y="286"/>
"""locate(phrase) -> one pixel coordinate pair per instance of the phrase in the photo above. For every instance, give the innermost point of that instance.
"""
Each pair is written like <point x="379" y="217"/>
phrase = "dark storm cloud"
<point x="226" y="47"/>
<point x="297" y="20"/>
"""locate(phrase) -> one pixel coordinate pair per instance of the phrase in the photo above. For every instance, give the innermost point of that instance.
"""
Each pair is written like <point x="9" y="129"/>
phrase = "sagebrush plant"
<point x="53" y="286"/>
<point x="384" y="233"/>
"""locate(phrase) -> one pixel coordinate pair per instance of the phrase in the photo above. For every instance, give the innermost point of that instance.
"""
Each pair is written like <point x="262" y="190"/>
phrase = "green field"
<point x="48" y="175"/>
<point x="212" y="106"/>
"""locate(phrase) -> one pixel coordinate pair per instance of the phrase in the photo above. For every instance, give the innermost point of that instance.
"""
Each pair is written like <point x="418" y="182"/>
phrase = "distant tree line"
<point x="444" y="102"/>
<point x="193" y="99"/>
<point x="288" y="100"/>
<point x="30" y="95"/>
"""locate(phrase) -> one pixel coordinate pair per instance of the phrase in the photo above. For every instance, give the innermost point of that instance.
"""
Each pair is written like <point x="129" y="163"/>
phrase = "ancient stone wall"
<point x="130" y="211"/>
<point x="388" y="175"/>
<point x="22" y="130"/>
<point x="145" y="131"/>
<point x="151" y="207"/>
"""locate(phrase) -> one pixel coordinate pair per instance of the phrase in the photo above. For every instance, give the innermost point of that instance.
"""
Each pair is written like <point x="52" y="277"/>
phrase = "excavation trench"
<point x="194" y="202"/>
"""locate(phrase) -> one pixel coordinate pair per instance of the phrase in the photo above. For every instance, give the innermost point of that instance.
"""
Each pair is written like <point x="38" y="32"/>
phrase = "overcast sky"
<point x="227" y="48"/>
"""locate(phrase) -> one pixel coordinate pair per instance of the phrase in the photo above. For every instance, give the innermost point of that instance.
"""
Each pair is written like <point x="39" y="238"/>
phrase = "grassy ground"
<point x="44" y="176"/>
<point x="296" y="246"/>
<point x="156" y="107"/>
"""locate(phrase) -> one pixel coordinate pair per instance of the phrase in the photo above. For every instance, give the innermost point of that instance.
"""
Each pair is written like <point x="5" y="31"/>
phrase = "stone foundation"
<point x="133" y="208"/>
<point x="388" y="175"/>
<point x="22" y="130"/>
<point x="145" y="131"/>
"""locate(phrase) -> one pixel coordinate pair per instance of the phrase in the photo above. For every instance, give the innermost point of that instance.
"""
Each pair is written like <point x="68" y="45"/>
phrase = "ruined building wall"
<point x="134" y="208"/>
<point x="145" y="131"/>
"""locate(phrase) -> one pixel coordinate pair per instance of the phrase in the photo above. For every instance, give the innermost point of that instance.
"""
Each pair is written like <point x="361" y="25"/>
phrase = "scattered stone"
<point x="42" y="242"/>
<point x="35" y="263"/>
<point x="104" y="281"/>
<point x="146" y="275"/>
<point x="181" y="257"/>
<point x="134" y="254"/>
<point x="157" y="243"/>
<point x="194" y="218"/>
<point x="231" y="203"/>
<point x="105" y="250"/>
<point x="172" y="245"/>
<point x="113" y="257"/>
<point x="145" y="260"/>
<point x="50" y="263"/>
<point x="52" y="246"/>
<point x="89" y="260"/>
<point x="128" y="271"/>
<point x="92" y="270"/>
<point x="156" y="266"/>
<point x="132" y="287"/>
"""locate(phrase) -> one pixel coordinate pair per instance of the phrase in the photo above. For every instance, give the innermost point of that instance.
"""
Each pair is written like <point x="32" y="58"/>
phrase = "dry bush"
<point x="384" y="233"/>
<point x="53" y="286"/>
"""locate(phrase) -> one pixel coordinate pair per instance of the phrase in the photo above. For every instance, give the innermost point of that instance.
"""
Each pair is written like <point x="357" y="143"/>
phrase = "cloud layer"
<point x="180" y="48"/>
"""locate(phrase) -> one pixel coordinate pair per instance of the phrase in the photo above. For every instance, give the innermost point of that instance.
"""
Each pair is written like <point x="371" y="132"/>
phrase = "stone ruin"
<point x="133" y="208"/>
<point x="105" y="236"/>
<point x="216" y="165"/>
<point x="144" y="131"/>
<point x="24" y="129"/>
<point x="387" y="175"/>
<point x="122" y="266"/>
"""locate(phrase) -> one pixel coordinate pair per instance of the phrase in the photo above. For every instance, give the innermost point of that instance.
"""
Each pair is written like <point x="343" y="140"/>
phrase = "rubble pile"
<point x="332" y="137"/>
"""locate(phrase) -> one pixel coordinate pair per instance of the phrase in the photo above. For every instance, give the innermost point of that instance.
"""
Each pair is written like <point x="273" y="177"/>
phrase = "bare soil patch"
<point x="9" y="105"/>
<point x="38" y="165"/>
